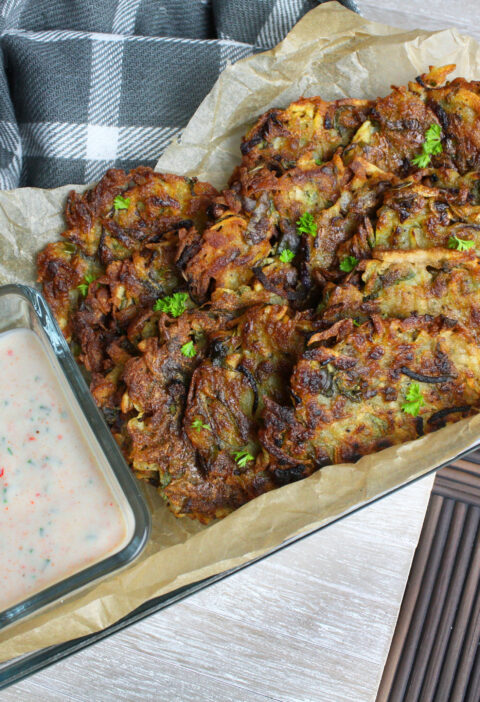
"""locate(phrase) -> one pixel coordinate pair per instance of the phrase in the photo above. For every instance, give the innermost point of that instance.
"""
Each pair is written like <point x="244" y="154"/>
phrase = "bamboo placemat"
<point x="435" y="651"/>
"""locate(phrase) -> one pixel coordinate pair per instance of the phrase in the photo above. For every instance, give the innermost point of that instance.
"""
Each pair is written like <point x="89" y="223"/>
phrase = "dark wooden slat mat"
<point x="435" y="651"/>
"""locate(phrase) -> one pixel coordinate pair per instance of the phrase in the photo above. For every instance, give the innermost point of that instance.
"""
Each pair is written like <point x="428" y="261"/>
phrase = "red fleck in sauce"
<point x="57" y="513"/>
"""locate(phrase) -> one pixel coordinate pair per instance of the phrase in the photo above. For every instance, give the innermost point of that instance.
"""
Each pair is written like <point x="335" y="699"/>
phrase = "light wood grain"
<point x="424" y="14"/>
<point x="311" y="623"/>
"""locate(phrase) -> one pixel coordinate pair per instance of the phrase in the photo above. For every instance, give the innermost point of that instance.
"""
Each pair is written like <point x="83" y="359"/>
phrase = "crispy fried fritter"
<point x="152" y="204"/>
<point x="156" y="387"/>
<point x="236" y="253"/>
<point x="349" y="396"/>
<point x="235" y="369"/>
<point x="61" y="269"/>
<point x="283" y="174"/>
<point x="229" y="250"/>
<point x="393" y="134"/>
<point x="457" y="108"/>
<point x="307" y="132"/>
<point x="135" y="240"/>
<point x="401" y="283"/>
<point x="236" y="262"/>
<point x="421" y="215"/>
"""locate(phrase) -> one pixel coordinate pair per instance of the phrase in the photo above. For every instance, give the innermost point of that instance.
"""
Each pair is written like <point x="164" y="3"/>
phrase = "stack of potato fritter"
<point x="322" y="307"/>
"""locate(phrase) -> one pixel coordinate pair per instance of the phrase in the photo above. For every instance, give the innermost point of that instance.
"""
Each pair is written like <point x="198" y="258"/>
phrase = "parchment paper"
<point x="332" y="52"/>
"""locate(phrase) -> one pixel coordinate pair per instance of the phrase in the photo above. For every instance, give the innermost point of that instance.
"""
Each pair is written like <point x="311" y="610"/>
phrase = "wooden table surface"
<point x="312" y="623"/>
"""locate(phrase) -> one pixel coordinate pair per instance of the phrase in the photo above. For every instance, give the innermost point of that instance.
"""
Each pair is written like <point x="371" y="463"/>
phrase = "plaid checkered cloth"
<point x="90" y="84"/>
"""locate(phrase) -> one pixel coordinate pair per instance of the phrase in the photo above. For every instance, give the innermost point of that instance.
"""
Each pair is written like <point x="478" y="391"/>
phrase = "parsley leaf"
<point x="319" y="162"/>
<point x="306" y="225"/>
<point x="356" y="323"/>
<point x="88" y="278"/>
<point x="198" y="425"/>
<point x="421" y="160"/>
<point x="431" y="146"/>
<point x="414" y="399"/>
<point x="165" y="479"/>
<point x="121" y="203"/>
<point x="460" y="244"/>
<point x="242" y="457"/>
<point x="188" y="349"/>
<point x="286" y="256"/>
<point x="433" y="137"/>
<point x="348" y="263"/>
<point x="174" y="305"/>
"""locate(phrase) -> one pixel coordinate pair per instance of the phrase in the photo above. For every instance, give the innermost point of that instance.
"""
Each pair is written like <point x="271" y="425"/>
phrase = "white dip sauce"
<point x="57" y="513"/>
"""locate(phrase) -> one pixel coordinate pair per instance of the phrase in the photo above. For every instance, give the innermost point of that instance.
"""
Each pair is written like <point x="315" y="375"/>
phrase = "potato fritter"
<point x="135" y="218"/>
<point x="351" y="397"/>
<point x="61" y="270"/>
<point x="430" y="213"/>
<point x="156" y="382"/>
<point x="199" y="466"/>
<point x="307" y="132"/>
<point x="229" y="250"/>
<point x="126" y="210"/>
<point x="398" y="284"/>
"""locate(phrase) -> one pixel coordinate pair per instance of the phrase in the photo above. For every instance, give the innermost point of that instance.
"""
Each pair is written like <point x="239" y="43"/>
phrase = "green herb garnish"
<point x="165" y="479"/>
<point x="348" y="263"/>
<point x="306" y="225"/>
<point x="188" y="349"/>
<point x="198" y="425"/>
<point x="88" y="278"/>
<point x="121" y="203"/>
<point x="242" y="457"/>
<point x="319" y="162"/>
<point x="460" y="244"/>
<point x="431" y="146"/>
<point x="414" y="399"/>
<point x="286" y="256"/>
<point x="174" y="305"/>
<point x="356" y="323"/>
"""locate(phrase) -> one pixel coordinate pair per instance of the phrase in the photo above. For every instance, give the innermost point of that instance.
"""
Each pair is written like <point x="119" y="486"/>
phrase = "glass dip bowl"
<point x="50" y="546"/>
